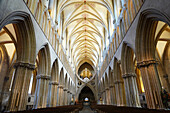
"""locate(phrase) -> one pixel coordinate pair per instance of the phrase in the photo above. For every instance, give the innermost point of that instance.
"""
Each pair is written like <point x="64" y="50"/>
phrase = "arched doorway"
<point x="86" y="95"/>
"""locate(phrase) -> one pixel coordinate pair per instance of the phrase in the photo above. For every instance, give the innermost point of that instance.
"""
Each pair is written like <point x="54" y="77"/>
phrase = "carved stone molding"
<point x="146" y="63"/>
<point x="107" y="88"/>
<point x="127" y="75"/>
<point x="65" y="89"/>
<point x="47" y="77"/>
<point x="60" y="86"/>
<point x="25" y="65"/>
<point x="54" y="83"/>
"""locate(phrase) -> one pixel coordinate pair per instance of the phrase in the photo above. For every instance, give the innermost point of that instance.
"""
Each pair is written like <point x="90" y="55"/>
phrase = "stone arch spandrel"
<point x="147" y="18"/>
<point x="26" y="37"/>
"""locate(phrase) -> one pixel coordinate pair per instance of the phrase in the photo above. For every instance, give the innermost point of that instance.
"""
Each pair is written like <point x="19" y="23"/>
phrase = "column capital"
<point x="127" y="75"/>
<point x="43" y="76"/>
<point x="68" y="91"/>
<point x="60" y="86"/>
<point x="65" y="89"/>
<point x="146" y="63"/>
<point x="54" y="83"/>
<point x="25" y="65"/>
<point x="107" y="88"/>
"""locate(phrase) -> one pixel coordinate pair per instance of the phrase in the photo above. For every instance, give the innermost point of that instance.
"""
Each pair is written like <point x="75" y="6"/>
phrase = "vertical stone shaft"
<point x="108" y="100"/>
<point x="61" y="96"/>
<point x="18" y="99"/>
<point x="104" y="97"/>
<point x="119" y="93"/>
<point x="151" y="83"/>
<point x="68" y="97"/>
<point x="65" y="96"/>
<point x="40" y="99"/>
<point x="131" y="90"/>
<point x="112" y="95"/>
<point x="53" y="94"/>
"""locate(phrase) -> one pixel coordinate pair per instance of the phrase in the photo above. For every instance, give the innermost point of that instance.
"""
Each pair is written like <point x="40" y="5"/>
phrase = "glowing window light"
<point x="86" y="99"/>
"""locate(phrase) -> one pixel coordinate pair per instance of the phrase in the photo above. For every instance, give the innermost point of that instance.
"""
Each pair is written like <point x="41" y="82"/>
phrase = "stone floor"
<point x="87" y="109"/>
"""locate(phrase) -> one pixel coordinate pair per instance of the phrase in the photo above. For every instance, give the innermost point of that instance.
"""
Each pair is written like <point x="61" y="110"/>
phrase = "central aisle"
<point x="86" y="109"/>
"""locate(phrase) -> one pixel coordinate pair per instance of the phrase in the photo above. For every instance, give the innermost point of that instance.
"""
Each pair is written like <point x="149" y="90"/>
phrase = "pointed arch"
<point x="61" y="78"/>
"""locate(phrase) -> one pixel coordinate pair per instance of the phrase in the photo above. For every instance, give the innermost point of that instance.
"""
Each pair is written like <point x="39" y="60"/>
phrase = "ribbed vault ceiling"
<point x="84" y="29"/>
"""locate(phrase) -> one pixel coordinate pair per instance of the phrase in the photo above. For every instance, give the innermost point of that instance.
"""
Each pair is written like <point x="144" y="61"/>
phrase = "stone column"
<point x="68" y="97"/>
<point x="19" y="93"/>
<point x="65" y="96"/>
<point x="151" y="83"/>
<point x="119" y="92"/>
<point x="61" y="96"/>
<point x="73" y="96"/>
<point x="104" y="96"/>
<point x="112" y="95"/>
<point x="53" y="93"/>
<point x="40" y="99"/>
<point x="99" y="98"/>
<point x="131" y="90"/>
<point x="58" y="94"/>
<point x="108" y="99"/>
